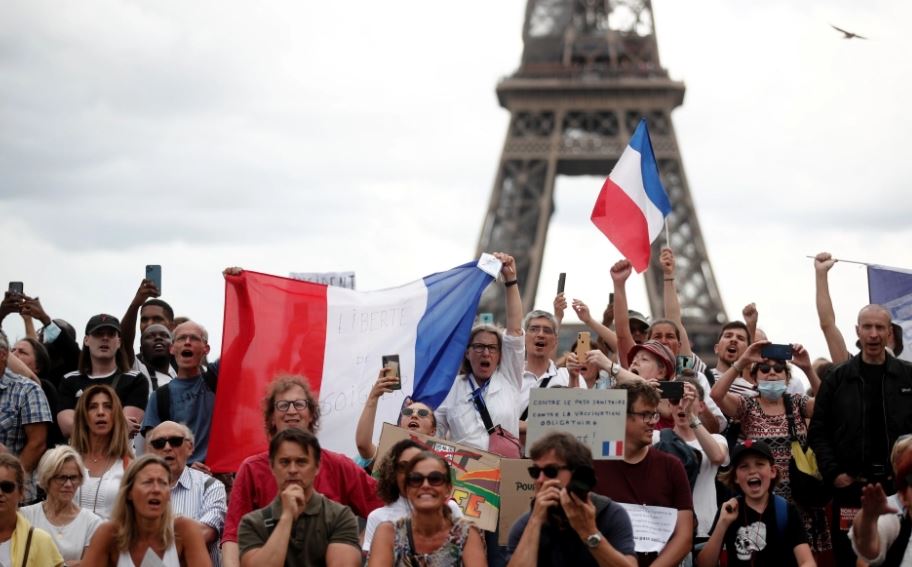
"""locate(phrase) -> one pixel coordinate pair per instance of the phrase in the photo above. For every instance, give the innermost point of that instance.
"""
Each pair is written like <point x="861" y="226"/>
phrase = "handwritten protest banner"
<point x="516" y="493"/>
<point x="596" y="417"/>
<point x="476" y="482"/>
<point x="338" y="279"/>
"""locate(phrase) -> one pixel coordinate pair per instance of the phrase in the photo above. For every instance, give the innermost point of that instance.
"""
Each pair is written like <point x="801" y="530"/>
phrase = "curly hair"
<point x="281" y="385"/>
<point x="387" y="481"/>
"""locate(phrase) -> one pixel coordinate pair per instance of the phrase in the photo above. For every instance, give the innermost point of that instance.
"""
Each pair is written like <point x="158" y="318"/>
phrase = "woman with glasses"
<point x="101" y="437"/>
<point x="391" y="488"/>
<point x="21" y="544"/>
<point x="143" y="530"/>
<point x="414" y="416"/>
<point x="764" y="417"/>
<point x="430" y="536"/>
<point x="492" y="375"/>
<point x="60" y="474"/>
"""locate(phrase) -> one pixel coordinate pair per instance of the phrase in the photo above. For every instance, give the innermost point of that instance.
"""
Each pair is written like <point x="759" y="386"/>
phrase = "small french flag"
<point x="632" y="205"/>
<point x="613" y="448"/>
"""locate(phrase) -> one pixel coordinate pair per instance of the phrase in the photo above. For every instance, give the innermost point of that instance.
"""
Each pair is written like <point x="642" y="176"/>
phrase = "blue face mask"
<point x="772" y="390"/>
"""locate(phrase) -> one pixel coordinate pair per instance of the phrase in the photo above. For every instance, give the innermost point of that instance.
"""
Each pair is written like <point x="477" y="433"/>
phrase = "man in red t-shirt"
<point x="651" y="485"/>
<point x="291" y="404"/>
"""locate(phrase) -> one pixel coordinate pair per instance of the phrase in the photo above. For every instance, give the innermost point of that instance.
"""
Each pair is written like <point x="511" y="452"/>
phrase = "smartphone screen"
<point x="561" y="280"/>
<point x="391" y="365"/>
<point x="777" y="352"/>
<point x="672" y="390"/>
<point x="154" y="273"/>
<point x="16" y="288"/>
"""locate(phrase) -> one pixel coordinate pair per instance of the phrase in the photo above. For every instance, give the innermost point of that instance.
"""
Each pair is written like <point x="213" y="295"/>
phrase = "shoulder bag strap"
<point x="28" y="546"/>
<point x="896" y="552"/>
<point x="544" y="384"/>
<point x="481" y="407"/>
<point x="413" y="556"/>
<point x="793" y="432"/>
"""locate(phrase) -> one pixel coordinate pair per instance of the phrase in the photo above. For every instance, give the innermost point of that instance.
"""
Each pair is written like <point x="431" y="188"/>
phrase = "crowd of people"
<point x="103" y="449"/>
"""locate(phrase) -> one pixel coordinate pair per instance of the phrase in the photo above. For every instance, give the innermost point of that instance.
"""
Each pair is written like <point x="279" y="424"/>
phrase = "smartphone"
<point x="582" y="482"/>
<point x="671" y="390"/>
<point x="486" y="318"/>
<point x="391" y="366"/>
<point x="16" y="288"/>
<point x="154" y="273"/>
<point x="561" y="280"/>
<point x="777" y="352"/>
<point x="583" y="345"/>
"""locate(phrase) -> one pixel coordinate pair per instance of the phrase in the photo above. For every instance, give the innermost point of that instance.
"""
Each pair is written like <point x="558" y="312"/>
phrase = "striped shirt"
<point x="202" y="498"/>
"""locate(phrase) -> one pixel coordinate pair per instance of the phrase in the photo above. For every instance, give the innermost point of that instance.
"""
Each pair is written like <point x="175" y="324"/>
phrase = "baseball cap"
<point x="661" y="351"/>
<point x="751" y="446"/>
<point x="637" y="316"/>
<point x="101" y="321"/>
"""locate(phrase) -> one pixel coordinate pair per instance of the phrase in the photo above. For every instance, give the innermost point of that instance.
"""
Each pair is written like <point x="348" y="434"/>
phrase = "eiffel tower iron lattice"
<point x="590" y="70"/>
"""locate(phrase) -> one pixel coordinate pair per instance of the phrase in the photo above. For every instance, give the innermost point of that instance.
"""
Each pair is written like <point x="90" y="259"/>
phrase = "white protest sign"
<point x="652" y="526"/>
<point x="596" y="417"/>
<point x="338" y="279"/>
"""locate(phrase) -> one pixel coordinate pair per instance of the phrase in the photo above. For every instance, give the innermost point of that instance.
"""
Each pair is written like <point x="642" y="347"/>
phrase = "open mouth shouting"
<point x="413" y="424"/>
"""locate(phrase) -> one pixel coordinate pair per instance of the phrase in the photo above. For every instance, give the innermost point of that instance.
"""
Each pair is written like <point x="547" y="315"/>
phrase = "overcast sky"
<point x="306" y="136"/>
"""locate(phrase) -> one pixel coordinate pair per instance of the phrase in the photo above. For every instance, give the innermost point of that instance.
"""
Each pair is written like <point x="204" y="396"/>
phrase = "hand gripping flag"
<point x="632" y="205"/>
<point x="335" y="338"/>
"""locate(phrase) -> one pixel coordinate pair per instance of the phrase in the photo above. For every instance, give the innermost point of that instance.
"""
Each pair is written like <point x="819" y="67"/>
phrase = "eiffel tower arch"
<point x="590" y="70"/>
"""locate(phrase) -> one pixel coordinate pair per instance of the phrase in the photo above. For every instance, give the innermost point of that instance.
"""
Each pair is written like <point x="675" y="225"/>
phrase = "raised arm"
<point x="619" y="274"/>
<point x="603" y="332"/>
<point x="728" y="402"/>
<point x="715" y="451"/>
<point x="145" y="291"/>
<point x="825" y="313"/>
<point x="865" y="536"/>
<point x="513" y="298"/>
<point x="670" y="297"/>
<point x="364" y="434"/>
<point x="802" y="359"/>
<point x="751" y="316"/>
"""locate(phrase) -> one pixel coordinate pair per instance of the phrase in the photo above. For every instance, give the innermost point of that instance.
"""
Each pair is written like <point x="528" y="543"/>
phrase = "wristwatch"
<point x="594" y="540"/>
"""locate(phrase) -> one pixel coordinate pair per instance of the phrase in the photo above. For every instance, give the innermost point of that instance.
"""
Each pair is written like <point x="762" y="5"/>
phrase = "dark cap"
<point x="661" y="351"/>
<point x="751" y="446"/>
<point x="637" y="316"/>
<point x="101" y="321"/>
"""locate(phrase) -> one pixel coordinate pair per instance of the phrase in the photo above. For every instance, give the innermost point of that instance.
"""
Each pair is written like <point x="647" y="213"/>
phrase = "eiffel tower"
<point x="590" y="70"/>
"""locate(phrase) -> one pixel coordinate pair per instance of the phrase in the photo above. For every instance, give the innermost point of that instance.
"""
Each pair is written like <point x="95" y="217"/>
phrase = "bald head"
<point x="173" y="442"/>
<point x="874" y="333"/>
<point x="877" y="311"/>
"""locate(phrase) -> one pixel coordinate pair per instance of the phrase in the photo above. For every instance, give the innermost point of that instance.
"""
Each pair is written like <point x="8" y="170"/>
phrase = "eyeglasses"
<point x="65" y="478"/>
<point x="647" y="416"/>
<point x="535" y="329"/>
<point x="300" y="405"/>
<point x="765" y="368"/>
<point x="8" y="486"/>
<point x="481" y="347"/>
<point x="175" y="442"/>
<point x="416" y="480"/>
<point x="420" y="412"/>
<point x="551" y="471"/>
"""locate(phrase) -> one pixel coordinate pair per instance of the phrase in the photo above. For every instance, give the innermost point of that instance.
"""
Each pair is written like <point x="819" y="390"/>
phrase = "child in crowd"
<point x="756" y="528"/>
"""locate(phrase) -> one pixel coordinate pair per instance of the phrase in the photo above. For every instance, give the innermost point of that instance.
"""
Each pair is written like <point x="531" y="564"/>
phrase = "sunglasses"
<point x="175" y="442"/>
<point x="416" y="480"/>
<point x="8" y="486"/>
<point x="765" y="368"/>
<point x="550" y="471"/>
<point x="420" y="412"/>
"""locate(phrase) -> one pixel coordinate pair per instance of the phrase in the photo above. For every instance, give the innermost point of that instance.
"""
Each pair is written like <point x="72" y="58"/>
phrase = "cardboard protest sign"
<point x="516" y="493"/>
<point x="596" y="417"/>
<point x="476" y="482"/>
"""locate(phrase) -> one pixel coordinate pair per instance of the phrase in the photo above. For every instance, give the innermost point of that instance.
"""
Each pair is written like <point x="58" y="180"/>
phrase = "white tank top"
<point x="151" y="559"/>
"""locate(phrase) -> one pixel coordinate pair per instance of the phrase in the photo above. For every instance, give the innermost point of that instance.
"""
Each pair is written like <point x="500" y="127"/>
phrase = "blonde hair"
<point x="119" y="444"/>
<point x="124" y="514"/>
<point x="903" y="443"/>
<point x="52" y="463"/>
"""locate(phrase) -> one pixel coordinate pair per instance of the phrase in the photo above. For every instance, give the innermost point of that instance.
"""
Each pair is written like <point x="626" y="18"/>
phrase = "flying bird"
<point x="847" y="34"/>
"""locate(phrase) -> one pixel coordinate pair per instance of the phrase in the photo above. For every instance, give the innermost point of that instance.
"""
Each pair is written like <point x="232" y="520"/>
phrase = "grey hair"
<point x="203" y="330"/>
<point x="539" y="314"/>
<point x="182" y="426"/>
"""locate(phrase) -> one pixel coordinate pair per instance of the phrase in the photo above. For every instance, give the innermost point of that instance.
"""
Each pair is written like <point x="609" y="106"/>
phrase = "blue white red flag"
<point x="613" y="448"/>
<point x="892" y="288"/>
<point x="336" y="337"/>
<point x="632" y="205"/>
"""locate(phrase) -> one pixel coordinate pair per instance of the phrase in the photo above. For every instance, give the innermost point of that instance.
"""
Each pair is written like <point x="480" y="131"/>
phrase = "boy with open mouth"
<point x="756" y="528"/>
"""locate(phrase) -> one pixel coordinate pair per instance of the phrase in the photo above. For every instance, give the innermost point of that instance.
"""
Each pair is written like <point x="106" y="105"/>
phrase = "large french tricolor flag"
<point x="336" y="337"/>
<point x="892" y="288"/>
<point x="632" y="206"/>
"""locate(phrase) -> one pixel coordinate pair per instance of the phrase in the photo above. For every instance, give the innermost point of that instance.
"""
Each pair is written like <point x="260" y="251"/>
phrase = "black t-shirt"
<point x="132" y="388"/>
<point x="877" y="447"/>
<point x="755" y="540"/>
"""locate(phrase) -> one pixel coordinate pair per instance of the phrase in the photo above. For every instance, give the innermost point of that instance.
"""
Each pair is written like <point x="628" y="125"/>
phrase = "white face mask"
<point x="772" y="390"/>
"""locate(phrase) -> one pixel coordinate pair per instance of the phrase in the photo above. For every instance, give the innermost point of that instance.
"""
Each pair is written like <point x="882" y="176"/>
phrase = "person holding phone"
<point x="568" y="524"/>
<point x="766" y="418"/>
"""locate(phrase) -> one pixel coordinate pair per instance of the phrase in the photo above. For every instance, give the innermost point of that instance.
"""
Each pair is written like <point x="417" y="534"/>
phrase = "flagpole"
<point x="667" y="239"/>
<point x="842" y="260"/>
